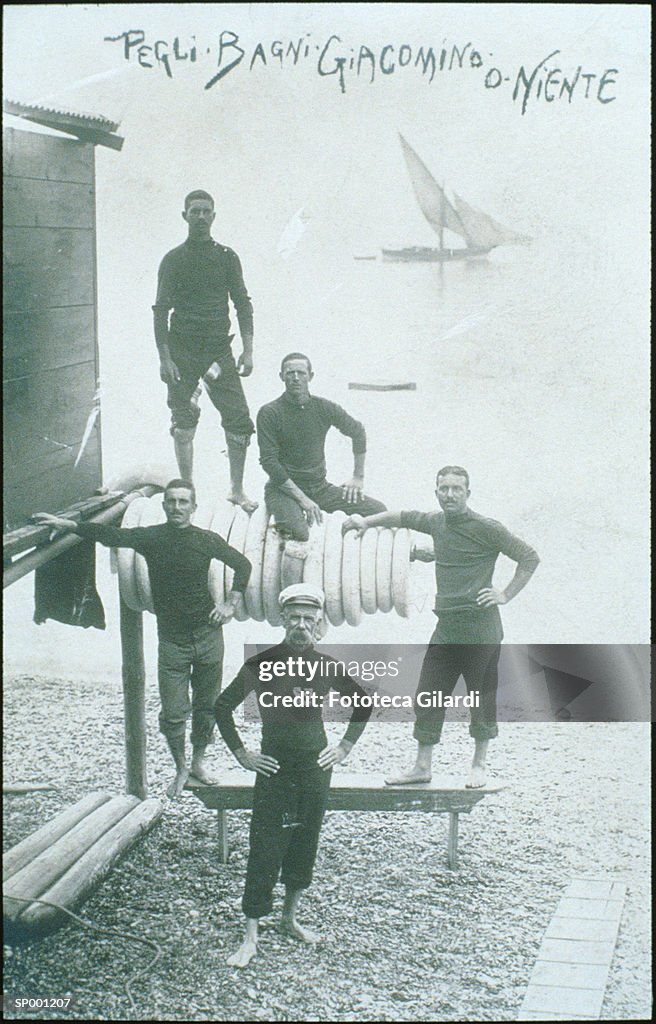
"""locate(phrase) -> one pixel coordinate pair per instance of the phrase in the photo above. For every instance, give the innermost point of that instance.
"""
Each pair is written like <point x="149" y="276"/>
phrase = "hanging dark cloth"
<point x="65" y="589"/>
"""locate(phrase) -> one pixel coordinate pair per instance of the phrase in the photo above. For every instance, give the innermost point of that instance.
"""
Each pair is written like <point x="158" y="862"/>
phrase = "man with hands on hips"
<point x="293" y="768"/>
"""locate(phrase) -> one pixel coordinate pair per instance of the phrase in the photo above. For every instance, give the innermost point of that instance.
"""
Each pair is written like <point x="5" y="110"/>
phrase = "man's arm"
<point x="350" y="427"/>
<point x="226" y="704"/>
<point x="109" y="536"/>
<point x="332" y="755"/>
<point x="267" y="439"/>
<point x="527" y="562"/>
<point x="168" y="370"/>
<point x="244" y="308"/>
<point x="363" y="523"/>
<point x="223" y="611"/>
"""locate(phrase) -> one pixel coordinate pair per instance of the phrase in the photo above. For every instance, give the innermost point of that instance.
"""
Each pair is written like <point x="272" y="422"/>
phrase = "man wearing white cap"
<point x="295" y="761"/>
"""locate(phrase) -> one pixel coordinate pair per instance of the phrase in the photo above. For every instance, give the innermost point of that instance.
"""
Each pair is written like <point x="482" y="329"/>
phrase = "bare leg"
<point x="198" y="767"/>
<point x="183" y="442"/>
<point x="477" y="776"/>
<point x="237" y="459"/>
<point x="289" y="922"/>
<point x="421" y="772"/>
<point x="177" y="748"/>
<point x="243" y="956"/>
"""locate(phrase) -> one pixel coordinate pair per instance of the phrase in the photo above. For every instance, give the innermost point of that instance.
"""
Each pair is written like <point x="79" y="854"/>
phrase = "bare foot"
<point x="292" y="927"/>
<point x="477" y="777"/>
<point x="244" y="954"/>
<point x="198" y="774"/>
<point x="239" y="498"/>
<point x="175" y="789"/>
<point x="407" y="778"/>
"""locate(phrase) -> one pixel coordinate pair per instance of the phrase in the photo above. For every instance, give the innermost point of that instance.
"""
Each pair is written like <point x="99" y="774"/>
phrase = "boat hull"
<point x="425" y="254"/>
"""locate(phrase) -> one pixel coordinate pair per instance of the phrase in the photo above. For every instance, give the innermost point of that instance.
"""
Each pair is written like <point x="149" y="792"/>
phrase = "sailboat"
<point x="479" y="231"/>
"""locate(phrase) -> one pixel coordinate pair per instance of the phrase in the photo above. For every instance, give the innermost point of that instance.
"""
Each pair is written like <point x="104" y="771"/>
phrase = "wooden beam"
<point x="32" y="561"/>
<point x="222" y="828"/>
<point x="31" y="536"/>
<point x="134" y="700"/>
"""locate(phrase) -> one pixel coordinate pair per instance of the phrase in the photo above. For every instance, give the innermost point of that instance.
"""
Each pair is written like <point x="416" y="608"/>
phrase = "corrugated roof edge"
<point x="91" y="128"/>
<point x="80" y="119"/>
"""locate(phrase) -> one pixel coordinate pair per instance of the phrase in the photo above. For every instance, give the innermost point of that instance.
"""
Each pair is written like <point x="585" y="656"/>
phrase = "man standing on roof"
<point x="192" y="332"/>
<point x="190" y="651"/>
<point x="468" y="635"/>
<point x="291" y="433"/>
<point x="295" y="762"/>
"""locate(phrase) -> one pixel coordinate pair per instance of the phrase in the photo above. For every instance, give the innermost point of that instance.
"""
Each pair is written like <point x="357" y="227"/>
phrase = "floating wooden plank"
<point x="92" y="866"/>
<point x="569" y="977"/>
<point x="29" y="848"/>
<point x="382" y="386"/>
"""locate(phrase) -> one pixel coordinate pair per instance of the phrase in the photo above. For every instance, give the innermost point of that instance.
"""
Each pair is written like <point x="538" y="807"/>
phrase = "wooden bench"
<point x="350" y="792"/>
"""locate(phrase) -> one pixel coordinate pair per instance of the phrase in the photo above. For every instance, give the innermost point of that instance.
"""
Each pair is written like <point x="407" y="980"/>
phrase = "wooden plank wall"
<point x="50" y="345"/>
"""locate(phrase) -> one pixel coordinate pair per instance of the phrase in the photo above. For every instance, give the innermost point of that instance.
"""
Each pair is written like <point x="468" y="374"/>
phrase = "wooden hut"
<point x="50" y="379"/>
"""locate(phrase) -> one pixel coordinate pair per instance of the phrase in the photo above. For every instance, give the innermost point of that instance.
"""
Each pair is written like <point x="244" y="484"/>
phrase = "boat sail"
<point x="480" y="232"/>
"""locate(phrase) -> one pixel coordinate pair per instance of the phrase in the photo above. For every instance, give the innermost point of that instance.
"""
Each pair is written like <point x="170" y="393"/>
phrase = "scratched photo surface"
<point x="530" y="365"/>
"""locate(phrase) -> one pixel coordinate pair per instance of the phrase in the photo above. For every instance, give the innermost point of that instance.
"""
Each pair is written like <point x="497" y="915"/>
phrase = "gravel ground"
<point x="403" y="938"/>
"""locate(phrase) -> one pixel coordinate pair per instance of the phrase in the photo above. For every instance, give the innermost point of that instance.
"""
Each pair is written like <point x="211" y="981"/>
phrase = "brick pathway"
<point x="570" y="974"/>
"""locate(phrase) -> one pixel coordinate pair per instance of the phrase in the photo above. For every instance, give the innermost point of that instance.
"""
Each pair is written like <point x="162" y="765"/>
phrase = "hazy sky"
<point x="544" y="355"/>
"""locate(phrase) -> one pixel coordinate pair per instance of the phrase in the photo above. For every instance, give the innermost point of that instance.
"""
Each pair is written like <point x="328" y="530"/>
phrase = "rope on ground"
<point x="109" y="931"/>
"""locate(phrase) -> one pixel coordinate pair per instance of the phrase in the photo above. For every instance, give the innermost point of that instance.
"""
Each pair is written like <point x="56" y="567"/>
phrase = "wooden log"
<point x="30" y="847"/>
<point x="452" y="843"/>
<point x="222" y="836"/>
<point x="27" y="537"/>
<point x="30" y="562"/>
<point x="21" y="788"/>
<point x="37" y="876"/>
<point x="86" y="873"/>
<point x="134" y="700"/>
